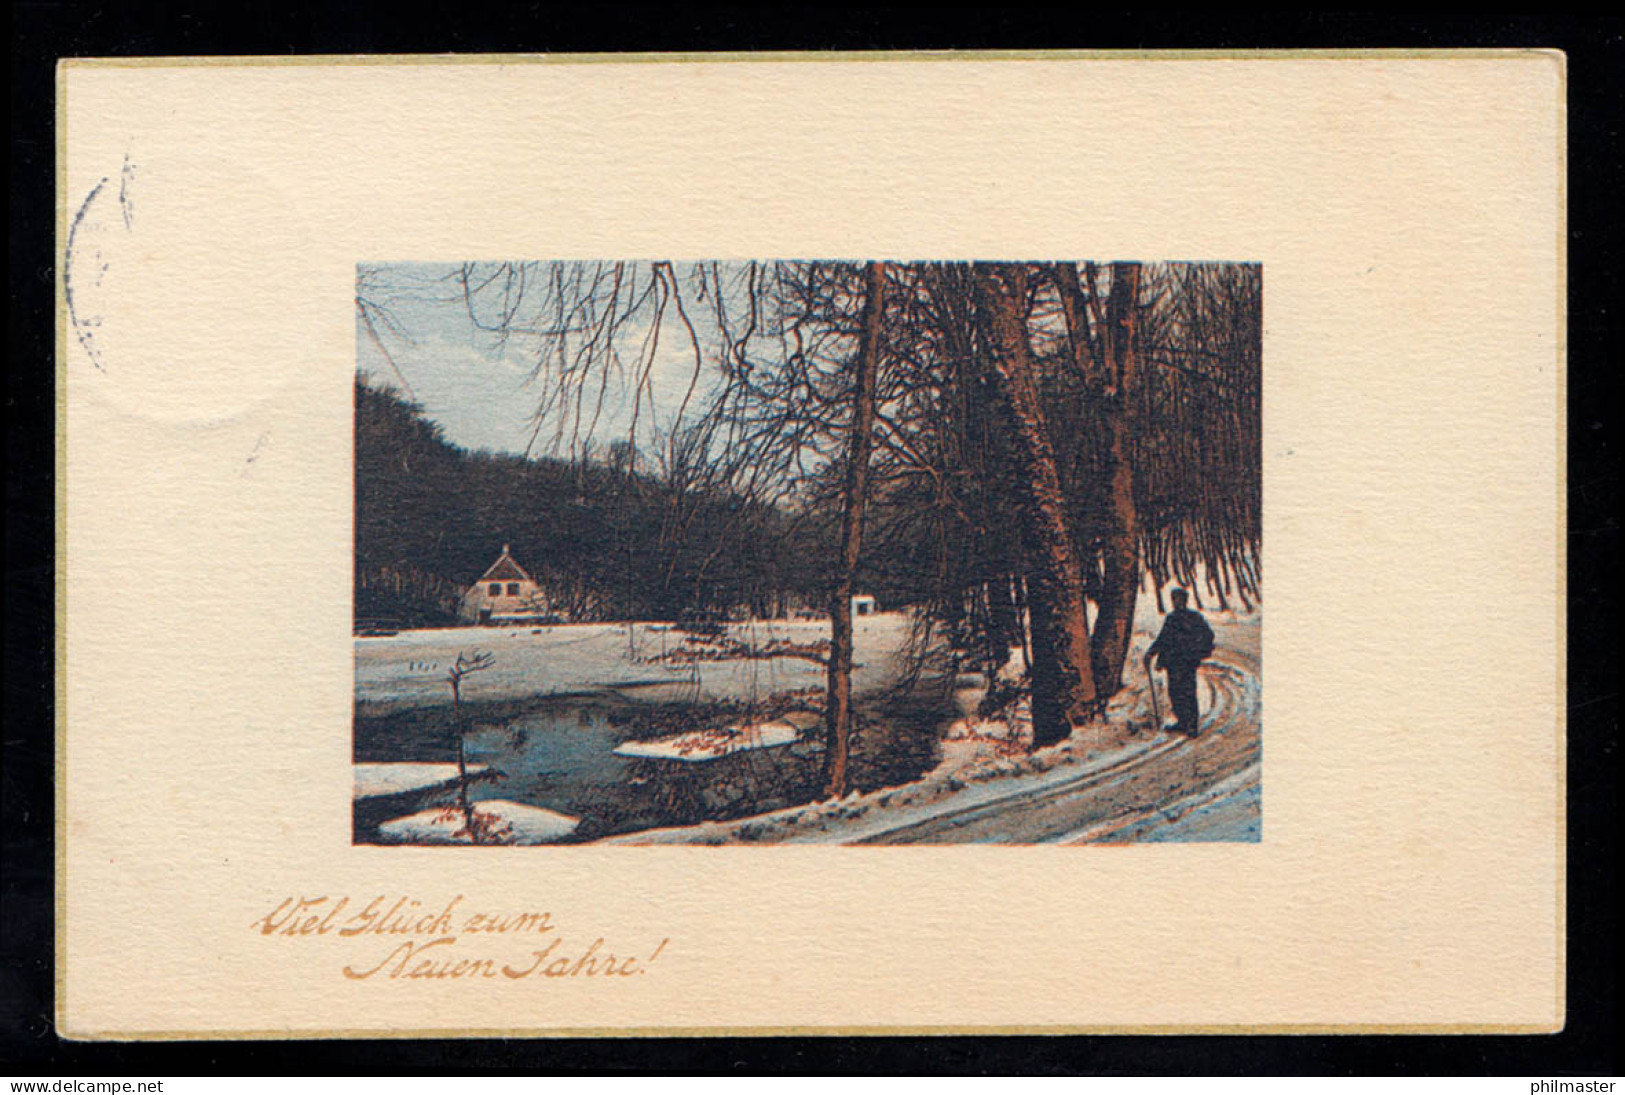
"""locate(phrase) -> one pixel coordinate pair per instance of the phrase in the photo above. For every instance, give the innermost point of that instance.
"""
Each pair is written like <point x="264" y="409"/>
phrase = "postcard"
<point x="789" y="543"/>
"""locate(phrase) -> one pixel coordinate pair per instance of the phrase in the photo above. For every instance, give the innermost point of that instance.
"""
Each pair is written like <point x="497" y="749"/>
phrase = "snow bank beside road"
<point x="968" y="777"/>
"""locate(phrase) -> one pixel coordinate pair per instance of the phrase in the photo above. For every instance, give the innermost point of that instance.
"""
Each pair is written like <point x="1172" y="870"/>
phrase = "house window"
<point x="496" y="589"/>
<point x="513" y="589"/>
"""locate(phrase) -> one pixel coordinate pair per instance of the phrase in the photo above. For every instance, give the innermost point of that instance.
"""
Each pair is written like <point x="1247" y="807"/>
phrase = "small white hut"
<point x="505" y="594"/>
<point x="799" y="609"/>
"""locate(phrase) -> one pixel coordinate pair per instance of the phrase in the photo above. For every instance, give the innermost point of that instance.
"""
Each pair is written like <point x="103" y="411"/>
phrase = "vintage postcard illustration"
<point x="770" y="544"/>
<point x="847" y="552"/>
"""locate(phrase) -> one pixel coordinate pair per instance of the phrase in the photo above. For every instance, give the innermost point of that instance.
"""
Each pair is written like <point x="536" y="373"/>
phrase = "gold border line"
<point x="801" y="57"/>
<point x="59" y="576"/>
<point x="915" y="1030"/>
<point x="1560" y="361"/>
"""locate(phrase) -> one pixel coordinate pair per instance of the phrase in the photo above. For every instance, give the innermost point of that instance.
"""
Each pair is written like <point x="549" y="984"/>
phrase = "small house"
<point x="505" y="594"/>
<point x="864" y="605"/>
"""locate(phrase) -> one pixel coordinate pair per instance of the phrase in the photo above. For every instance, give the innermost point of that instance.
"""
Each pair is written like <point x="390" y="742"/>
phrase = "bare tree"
<point x="1063" y="687"/>
<point x="854" y="494"/>
<point x="1196" y="441"/>
<point x="466" y="665"/>
<point x="1104" y="356"/>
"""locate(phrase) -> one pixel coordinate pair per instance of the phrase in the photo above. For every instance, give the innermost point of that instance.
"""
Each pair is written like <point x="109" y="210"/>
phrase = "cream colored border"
<point x="62" y="341"/>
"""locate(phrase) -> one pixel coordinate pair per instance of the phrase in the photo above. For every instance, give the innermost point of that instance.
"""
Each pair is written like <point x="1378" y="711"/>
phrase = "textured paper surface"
<point x="1407" y="212"/>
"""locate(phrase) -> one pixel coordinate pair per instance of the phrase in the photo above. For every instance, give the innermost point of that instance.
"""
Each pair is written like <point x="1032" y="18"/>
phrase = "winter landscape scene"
<point x="852" y="552"/>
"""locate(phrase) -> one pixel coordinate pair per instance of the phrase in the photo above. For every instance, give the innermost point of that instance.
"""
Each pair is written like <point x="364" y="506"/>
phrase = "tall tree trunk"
<point x="1063" y="687"/>
<point x="1004" y="626"/>
<point x="1024" y="615"/>
<point x="854" y="494"/>
<point x="1109" y="359"/>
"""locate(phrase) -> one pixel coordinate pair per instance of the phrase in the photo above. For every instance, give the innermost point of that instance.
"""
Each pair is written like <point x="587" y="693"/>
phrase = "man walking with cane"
<point x="1185" y="640"/>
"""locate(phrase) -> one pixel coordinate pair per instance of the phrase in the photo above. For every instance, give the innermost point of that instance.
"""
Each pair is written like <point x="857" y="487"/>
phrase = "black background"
<point x="44" y="32"/>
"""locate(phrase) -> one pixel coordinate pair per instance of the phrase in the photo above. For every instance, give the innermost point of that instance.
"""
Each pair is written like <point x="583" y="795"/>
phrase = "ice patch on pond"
<point x="703" y="745"/>
<point x="381" y="779"/>
<point x="985" y="763"/>
<point x="502" y="821"/>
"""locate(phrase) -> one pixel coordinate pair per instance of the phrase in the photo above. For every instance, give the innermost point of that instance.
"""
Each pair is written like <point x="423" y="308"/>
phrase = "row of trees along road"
<point x="992" y="442"/>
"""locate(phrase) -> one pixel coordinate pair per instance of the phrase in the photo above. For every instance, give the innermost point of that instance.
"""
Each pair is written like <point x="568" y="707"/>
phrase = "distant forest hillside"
<point x="606" y="542"/>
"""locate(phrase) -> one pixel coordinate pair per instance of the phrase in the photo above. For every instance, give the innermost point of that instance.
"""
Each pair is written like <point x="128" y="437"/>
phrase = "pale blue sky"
<point x="479" y="390"/>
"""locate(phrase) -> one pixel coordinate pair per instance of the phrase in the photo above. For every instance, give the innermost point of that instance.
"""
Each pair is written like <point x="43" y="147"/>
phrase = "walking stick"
<point x="1151" y="683"/>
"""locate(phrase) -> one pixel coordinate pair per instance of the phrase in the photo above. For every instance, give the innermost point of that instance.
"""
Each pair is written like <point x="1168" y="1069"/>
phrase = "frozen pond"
<point x="561" y="754"/>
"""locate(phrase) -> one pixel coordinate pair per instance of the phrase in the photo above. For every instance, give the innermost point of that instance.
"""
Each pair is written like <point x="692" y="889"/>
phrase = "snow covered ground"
<point x="1119" y="780"/>
<point x="409" y="668"/>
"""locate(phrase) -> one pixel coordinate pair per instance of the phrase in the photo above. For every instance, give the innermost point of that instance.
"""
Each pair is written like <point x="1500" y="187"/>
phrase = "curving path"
<point x="1174" y="789"/>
